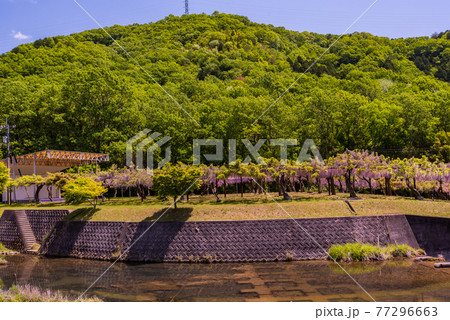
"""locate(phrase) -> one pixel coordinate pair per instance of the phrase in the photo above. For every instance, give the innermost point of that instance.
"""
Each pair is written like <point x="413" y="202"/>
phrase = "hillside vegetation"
<point x="82" y="92"/>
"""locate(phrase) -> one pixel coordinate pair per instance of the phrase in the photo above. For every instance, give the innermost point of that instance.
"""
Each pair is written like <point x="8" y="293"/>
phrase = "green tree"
<point x="79" y="92"/>
<point x="83" y="189"/>
<point x="59" y="180"/>
<point x="239" y="169"/>
<point x="30" y="180"/>
<point x="175" y="180"/>
<point x="4" y="177"/>
<point x="441" y="147"/>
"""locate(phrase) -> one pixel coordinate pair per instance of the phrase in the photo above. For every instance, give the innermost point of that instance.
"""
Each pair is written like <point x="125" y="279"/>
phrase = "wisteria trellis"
<point x="351" y="171"/>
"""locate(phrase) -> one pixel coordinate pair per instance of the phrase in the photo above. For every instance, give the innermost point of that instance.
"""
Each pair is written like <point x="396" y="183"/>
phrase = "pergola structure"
<point x="50" y="161"/>
<point x="42" y="162"/>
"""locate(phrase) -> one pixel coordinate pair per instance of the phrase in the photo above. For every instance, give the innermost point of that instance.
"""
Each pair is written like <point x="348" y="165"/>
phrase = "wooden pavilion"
<point x="48" y="161"/>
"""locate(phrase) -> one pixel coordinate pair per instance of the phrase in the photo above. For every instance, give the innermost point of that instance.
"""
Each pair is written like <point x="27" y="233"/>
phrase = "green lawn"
<point x="302" y="205"/>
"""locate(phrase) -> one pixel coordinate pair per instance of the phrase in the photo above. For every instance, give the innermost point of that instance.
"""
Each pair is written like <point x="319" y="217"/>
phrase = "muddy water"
<point x="402" y="280"/>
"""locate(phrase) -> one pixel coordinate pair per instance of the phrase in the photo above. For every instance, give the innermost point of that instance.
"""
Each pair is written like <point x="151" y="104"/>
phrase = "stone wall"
<point x="9" y="232"/>
<point x="246" y="240"/>
<point x="228" y="241"/>
<point x="41" y="222"/>
<point x="432" y="234"/>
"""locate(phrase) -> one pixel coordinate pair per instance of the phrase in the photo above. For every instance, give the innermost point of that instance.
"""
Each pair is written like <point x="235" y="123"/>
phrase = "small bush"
<point x="29" y="293"/>
<point x="289" y="256"/>
<point x="367" y="252"/>
<point x="3" y="248"/>
<point x="36" y="247"/>
<point x="208" y="258"/>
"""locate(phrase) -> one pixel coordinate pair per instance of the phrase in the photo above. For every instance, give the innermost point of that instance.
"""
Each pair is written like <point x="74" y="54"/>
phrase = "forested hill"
<point x="82" y="92"/>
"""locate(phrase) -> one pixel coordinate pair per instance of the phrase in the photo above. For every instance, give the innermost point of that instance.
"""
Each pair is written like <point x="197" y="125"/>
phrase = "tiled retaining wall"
<point x="247" y="240"/>
<point x="432" y="234"/>
<point x="9" y="232"/>
<point x="41" y="222"/>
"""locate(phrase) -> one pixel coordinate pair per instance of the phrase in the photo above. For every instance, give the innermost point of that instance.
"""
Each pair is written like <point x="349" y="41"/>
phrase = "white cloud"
<point x="30" y="1"/>
<point x="19" y="35"/>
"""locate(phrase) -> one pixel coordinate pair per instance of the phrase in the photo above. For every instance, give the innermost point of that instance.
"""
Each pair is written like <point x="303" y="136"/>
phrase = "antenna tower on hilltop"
<point x="186" y="6"/>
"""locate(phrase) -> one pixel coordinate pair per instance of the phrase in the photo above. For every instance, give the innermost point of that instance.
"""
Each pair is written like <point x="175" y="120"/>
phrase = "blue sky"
<point x="28" y="20"/>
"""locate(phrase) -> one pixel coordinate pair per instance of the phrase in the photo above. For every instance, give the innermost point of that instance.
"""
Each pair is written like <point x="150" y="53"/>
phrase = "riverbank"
<point x="28" y="293"/>
<point x="58" y="234"/>
<point x="236" y="241"/>
<point x="396" y="280"/>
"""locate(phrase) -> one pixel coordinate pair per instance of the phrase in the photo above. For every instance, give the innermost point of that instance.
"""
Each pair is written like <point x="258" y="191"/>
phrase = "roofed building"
<point x="47" y="161"/>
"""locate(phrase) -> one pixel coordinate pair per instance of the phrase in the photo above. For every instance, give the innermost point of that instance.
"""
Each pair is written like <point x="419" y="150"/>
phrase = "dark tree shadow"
<point x="151" y="240"/>
<point x="63" y="236"/>
<point x="81" y="214"/>
<point x="179" y="214"/>
<point x="154" y="244"/>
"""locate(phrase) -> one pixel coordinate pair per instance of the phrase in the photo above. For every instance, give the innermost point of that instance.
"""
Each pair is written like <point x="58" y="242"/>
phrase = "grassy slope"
<point x="250" y="207"/>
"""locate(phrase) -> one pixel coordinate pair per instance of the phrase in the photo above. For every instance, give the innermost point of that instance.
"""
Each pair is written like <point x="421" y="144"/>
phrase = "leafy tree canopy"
<point x="4" y="177"/>
<point x="174" y="180"/>
<point x="83" y="189"/>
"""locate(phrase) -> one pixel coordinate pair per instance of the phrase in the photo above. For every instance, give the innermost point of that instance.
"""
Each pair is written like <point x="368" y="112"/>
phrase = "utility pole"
<point x="8" y="155"/>
<point x="6" y="139"/>
<point x="186" y="6"/>
<point x="7" y="143"/>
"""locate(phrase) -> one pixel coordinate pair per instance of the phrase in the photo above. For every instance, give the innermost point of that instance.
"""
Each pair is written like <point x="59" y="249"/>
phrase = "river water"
<point x="401" y="280"/>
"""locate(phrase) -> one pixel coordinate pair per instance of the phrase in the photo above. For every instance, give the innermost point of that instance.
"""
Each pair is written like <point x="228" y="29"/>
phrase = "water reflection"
<point x="284" y="281"/>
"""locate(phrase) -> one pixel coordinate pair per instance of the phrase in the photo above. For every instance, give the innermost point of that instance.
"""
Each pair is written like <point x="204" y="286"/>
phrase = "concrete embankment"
<point x="432" y="234"/>
<point x="227" y="241"/>
<point x="40" y="221"/>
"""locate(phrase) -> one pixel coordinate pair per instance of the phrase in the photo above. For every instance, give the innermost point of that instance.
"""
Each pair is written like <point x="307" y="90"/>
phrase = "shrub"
<point x="366" y="252"/>
<point x="29" y="293"/>
<point x="83" y="189"/>
<point x="3" y="248"/>
<point x="4" y="177"/>
<point x="289" y="256"/>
